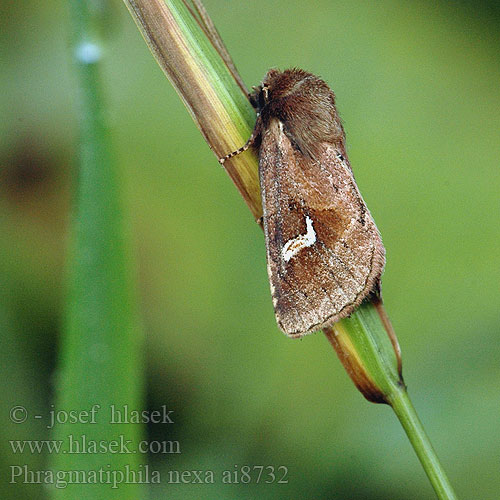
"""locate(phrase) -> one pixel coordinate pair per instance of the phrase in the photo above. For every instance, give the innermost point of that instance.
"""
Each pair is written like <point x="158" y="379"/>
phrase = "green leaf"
<point x="100" y="365"/>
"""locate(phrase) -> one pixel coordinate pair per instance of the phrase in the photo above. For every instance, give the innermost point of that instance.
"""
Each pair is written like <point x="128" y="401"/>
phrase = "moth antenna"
<point x="243" y="148"/>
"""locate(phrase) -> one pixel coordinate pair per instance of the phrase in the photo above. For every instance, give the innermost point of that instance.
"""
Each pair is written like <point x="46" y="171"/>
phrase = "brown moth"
<point x="324" y="252"/>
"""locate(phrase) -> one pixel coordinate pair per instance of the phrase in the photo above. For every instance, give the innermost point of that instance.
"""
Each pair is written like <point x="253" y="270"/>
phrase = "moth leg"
<point x="247" y="145"/>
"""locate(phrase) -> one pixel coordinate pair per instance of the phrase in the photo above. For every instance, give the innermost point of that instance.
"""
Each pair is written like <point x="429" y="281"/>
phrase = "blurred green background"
<point x="418" y="88"/>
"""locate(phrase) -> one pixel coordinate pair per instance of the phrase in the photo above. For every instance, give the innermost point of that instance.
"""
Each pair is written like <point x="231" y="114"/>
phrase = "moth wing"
<point x="324" y="252"/>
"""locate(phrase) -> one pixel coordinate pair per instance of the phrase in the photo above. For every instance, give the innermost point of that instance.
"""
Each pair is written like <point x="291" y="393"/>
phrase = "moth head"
<point x="259" y="97"/>
<point x="262" y="94"/>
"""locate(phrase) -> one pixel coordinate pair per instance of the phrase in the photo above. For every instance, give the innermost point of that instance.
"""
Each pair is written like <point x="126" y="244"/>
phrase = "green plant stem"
<point x="414" y="429"/>
<point x="365" y="342"/>
<point x="368" y="349"/>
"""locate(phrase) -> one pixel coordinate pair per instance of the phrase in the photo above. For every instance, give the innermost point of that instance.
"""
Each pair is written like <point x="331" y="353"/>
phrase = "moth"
<point x="324" y="251"/>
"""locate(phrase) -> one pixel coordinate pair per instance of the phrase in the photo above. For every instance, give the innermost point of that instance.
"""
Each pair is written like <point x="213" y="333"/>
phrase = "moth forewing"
<point x="323" y="249"/>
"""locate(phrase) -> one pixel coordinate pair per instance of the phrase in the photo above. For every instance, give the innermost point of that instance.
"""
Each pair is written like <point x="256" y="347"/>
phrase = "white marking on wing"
<point x="295" y="245"/>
